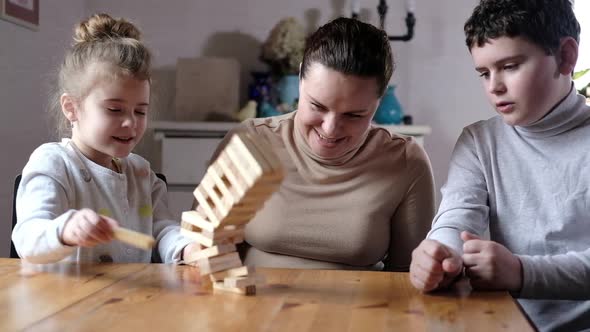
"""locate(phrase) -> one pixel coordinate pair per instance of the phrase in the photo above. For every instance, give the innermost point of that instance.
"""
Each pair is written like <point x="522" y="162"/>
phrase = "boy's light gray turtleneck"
<point x="531" y="185"/>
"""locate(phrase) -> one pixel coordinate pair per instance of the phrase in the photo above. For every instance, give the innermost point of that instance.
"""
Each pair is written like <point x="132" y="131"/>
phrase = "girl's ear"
<point x="68" y="107"/>
<point x="568" y="55"/>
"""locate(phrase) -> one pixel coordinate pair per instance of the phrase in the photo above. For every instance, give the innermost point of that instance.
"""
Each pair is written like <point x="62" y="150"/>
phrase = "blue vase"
<point x="389" y="110"/>
<point x="288" y="88"/>
<point x="260" y="88"/>
<point x="266" y="109"/>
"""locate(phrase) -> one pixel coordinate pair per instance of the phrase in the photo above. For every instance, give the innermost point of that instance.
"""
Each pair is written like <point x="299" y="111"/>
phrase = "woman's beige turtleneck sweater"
<point x="365" y="210"/>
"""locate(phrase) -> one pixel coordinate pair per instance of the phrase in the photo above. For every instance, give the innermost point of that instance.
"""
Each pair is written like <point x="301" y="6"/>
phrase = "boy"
<point x="524" y="173"/>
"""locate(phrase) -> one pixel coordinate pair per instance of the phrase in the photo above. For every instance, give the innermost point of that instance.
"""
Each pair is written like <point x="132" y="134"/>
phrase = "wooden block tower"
<point x="235" y="187"/>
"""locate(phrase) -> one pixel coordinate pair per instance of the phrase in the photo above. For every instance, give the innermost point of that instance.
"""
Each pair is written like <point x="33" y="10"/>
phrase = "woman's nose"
<point x="330" y="125"/>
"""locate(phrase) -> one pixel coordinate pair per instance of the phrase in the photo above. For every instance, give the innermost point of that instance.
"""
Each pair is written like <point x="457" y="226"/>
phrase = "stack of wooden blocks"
<point x="235" y="187"/>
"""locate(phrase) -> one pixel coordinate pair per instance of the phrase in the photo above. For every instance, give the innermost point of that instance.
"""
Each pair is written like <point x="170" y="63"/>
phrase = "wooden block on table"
<point x="235" y="272"/>
<point x="241" y="282"/>
<point x="218" y="263"/>
<point x="134" y="238"/>
<point x="217" y="250"/>
<point x="220" y="287"/>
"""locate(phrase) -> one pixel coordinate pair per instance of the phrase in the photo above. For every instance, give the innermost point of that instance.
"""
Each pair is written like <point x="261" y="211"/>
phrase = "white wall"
<point x="27" y="59"/>
<point x="435" y="77"/>
<point x="440" y="86"/>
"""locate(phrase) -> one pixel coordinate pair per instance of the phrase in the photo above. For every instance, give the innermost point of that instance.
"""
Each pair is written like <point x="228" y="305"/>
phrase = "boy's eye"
<point x="114" y="110"/>
<point x="140" y="112"/>
<point x="484" y="74"/>
<point x="510" y="66"/>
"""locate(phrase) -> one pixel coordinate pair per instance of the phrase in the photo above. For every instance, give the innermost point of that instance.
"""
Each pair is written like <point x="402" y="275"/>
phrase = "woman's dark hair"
<point x="351" y="47"/>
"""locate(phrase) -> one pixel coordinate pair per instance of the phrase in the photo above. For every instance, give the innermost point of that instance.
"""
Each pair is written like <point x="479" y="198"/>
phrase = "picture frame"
<point x="21" y="12"/>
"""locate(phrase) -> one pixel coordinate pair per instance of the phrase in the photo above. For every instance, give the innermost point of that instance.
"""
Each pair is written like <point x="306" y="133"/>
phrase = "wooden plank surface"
<point x="32" y="293"/>
<point x="158" y="297"/>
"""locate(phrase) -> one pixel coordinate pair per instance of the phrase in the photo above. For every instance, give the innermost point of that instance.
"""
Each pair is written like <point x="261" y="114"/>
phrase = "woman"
<point x="354" y="196"/>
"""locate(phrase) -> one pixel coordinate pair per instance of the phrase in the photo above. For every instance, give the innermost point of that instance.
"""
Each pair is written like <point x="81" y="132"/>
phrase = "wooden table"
<point x="157" y="297"/>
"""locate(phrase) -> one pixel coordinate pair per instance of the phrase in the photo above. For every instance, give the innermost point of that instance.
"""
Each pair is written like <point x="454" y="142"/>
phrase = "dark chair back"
<point x="163" y="178"/>
<point x="13" y="253"/>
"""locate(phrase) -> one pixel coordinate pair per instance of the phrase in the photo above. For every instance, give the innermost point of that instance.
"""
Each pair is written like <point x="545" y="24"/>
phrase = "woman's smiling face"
<point x="335" y="110"/>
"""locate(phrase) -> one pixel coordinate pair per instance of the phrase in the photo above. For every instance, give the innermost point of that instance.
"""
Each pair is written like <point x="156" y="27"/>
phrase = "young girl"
<point x="72" y="194"/>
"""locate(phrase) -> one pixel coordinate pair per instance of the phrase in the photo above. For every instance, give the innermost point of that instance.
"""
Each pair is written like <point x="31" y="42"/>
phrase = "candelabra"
<point x="410" y="20"/>
<point x="382" y="11"/>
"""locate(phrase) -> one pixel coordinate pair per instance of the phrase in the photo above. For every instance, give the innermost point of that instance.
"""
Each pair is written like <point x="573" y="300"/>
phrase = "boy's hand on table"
<point x="86" y="228"/>
<point x="434" y="266"/>
<point x="489" y="265"/>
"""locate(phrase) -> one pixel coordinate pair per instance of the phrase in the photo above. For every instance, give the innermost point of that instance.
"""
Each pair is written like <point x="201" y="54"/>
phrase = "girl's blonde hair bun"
<point x="103" y="27"/>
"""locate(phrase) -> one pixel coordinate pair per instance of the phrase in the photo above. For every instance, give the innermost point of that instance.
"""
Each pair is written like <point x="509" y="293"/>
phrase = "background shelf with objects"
<point x="183" y="150"/>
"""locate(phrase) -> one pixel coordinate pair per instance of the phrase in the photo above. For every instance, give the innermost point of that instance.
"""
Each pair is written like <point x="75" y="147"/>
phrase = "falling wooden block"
<point x="220" y="287"/>
<point x="236" y="272"/>
<point x="207" y="206"/>
<point x="210" y="239"/>
<point x="195" y="218"/>
<point x="210" y="252"/>
<point x="227" y="232"/>
<point x="197" y="236"/>
<point x="230" y="171"/>
<point x="259" y="153"/>
<point x="222" y="182"/>
<point x="238" y="182"/>
<point x="218" y="263"/>
<point x="222" y="202"/>
<point x="235" y="187"/>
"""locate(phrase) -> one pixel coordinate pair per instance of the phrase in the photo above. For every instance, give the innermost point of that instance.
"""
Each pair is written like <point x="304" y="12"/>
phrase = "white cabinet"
<point x="185" y="160"/>
<point x="187" y="146"/>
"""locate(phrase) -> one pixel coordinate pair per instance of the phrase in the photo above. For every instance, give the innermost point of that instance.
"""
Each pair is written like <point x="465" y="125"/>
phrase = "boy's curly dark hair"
<point x="543" y="22"/>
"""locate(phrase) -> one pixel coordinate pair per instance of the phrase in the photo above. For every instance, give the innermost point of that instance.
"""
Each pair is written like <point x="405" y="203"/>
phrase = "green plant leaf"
<point x="581" y="80"/>
<point x="580" y="73"/>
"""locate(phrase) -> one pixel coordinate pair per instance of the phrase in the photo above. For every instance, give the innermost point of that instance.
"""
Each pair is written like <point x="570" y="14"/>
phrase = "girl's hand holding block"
<point x="86" y="228"/>
<point x="134" y="238"/>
